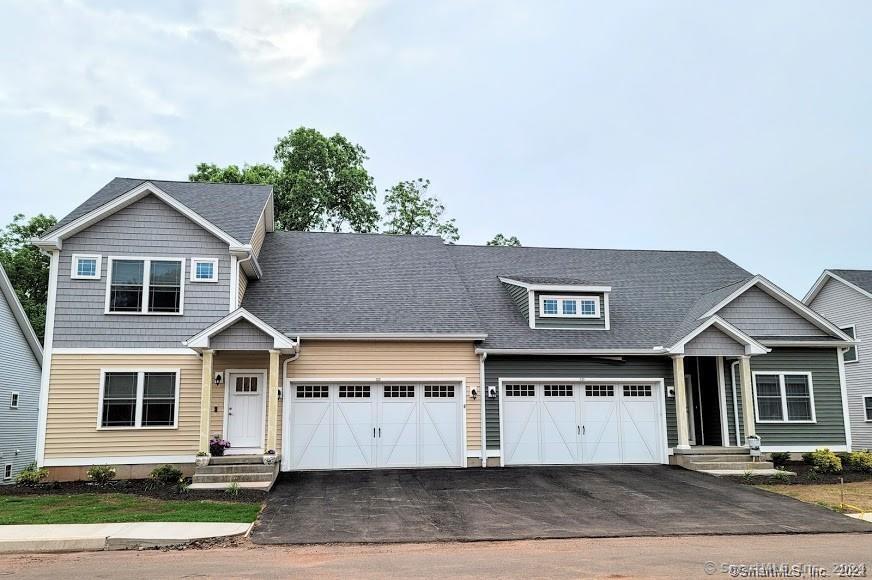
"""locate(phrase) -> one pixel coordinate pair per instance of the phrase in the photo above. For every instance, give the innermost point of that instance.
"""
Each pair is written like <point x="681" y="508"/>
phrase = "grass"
<point x="118" y="508"/>
<point x="858" y="495"/>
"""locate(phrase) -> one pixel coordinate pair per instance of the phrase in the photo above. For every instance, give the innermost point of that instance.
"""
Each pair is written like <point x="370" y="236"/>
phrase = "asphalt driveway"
<point x="426" y="505"/>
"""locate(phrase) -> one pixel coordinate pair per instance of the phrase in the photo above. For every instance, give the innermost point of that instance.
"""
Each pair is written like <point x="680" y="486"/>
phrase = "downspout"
<point x="482" y="390"/>
<point x="240" y="272"/>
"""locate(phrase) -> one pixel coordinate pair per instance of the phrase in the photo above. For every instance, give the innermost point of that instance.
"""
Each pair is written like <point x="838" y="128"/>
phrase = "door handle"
<point x="373" y="431"/>
<point x="579" y="429"/>
<point x="379" y="432"/>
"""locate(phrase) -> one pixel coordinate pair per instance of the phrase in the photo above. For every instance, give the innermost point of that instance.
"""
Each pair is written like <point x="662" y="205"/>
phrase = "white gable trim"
<point x="20" y="315"/>
<point x="751" y="346"/>
<point x="555" y="287"/>
<point x="201" y="340"/>
<point x="786" y="299"/>
<point x="55" y="239"/>
<point x="821" y="282"/>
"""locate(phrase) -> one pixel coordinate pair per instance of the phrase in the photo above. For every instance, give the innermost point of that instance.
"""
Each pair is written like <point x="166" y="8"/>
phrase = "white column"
<point x="680" y="402"/>
<point x="205" y="401"/>
<point x="747" y="397"/>
<point x="272" y="405"/>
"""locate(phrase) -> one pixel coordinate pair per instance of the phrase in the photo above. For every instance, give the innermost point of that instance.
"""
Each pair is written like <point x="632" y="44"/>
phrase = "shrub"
<point x="859" y="461"/>
<point x="167" y="474"/>
<point x="232" y="489"/>
<point x="217" y="446"/>
<point x="823" y="461"/>
<point x="780" y="476"/>
<point x="101" y="474"/>
<point x="780" y="458"/>
<point x="31" y="475"/>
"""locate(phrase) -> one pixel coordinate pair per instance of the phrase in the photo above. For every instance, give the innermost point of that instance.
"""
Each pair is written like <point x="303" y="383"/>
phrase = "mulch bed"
<point x="143" y="487"/>
<point x="805" y="475"/>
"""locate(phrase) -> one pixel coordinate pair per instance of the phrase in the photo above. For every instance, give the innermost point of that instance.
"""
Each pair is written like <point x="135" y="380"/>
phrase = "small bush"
<point x="101" y="474"/>
<point x="780" y="458"/>
<point x="859" y="461"/>
<point x="748" y="477"/>
<point x="823" y="461"/>
<point x="780" y="476"/>
<point x="232" y="489"/>
<point x="167" y="475"/>
<point x="31" y="475"/>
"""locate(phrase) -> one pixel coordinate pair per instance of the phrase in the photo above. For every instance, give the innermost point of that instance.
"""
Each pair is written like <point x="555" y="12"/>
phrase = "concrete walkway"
<point x="92" y="537"/>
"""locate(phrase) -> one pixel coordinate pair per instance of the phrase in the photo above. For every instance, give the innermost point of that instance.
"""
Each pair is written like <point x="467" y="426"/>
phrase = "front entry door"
<point x="245" y="407"/>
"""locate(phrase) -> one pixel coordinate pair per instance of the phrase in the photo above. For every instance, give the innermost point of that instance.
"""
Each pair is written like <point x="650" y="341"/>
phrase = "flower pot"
<point x="201" y="460"/>
<point x="270" y="459"/>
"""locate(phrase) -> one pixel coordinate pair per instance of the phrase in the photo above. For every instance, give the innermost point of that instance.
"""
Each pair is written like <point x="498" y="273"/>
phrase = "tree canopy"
<point x="409" y="210"/>
<point x="26" y="267"/>
<point x="501" y="240"/>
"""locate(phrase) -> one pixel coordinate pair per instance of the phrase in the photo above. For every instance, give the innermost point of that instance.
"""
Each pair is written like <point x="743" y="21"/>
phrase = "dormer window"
<point x="569" y="306"/>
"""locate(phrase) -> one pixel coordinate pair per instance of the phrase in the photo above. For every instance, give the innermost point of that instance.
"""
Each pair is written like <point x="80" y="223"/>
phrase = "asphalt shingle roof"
<point x="233" y="207"/>
<point x="861" y="278"/>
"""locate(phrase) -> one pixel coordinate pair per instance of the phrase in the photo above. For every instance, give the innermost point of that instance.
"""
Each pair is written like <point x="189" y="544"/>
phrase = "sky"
<point x="738" y="126"/>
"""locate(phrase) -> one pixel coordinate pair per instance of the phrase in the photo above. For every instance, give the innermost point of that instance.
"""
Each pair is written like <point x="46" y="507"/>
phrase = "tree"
<point x="501" y="240"/>
<point x="409" y="210"/>
<point x="319" y="182"/>
<point x="26" y="267"/>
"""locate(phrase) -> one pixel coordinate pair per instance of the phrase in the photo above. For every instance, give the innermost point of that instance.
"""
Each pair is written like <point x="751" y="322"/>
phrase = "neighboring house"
<point x="20" y="364"/>
<point x="845" y="297"/>
<point x="176" y="313"/>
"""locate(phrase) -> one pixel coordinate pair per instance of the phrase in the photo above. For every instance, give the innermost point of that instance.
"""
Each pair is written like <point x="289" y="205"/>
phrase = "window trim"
<point x="140" y="388"/>
<point x="783" y="395"/>
<point x="570" y="298"/>
<point x="146" y="275"/>
<point x="74" y="266"/>
<point x="7" y="468"/>
<point x="865" y="407"/>
<point x="856" y="347"/>
<point x="14" y="399"/>
<point x="213" y="261"/>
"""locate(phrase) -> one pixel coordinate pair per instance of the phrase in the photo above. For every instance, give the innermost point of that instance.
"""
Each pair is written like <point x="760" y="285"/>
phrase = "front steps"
<point x="723" y="461"/>
<point x="246" y="471"/>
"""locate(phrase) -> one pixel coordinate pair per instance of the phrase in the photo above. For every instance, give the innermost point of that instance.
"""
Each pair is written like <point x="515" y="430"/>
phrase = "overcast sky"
<point x="742" y="127"/>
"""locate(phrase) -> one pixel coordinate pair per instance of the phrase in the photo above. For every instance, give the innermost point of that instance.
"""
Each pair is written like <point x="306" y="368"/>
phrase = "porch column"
<point x="680" y="402"/>
<point x="747" y="397"/>
<point x="205" y="401"/>
<point x="272" y="405"/>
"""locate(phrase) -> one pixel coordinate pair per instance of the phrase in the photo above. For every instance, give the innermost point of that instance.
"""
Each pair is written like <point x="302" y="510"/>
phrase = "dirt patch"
<point x="805" y="475"/>
<point x="143" y="487"/>
<point x="850" y="497"/>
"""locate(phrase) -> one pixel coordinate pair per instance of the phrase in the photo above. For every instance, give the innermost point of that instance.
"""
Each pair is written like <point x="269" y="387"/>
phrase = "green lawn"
<point x="118" y="507"/>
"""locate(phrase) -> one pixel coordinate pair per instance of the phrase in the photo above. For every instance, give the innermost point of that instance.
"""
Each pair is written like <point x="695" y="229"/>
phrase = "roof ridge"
<point x="514" y="248"/>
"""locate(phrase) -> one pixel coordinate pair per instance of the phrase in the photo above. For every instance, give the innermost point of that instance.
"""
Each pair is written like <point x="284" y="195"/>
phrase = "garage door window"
<point x="353" y="391"/>
<point x="558" y="390"/>
<point x="520" y="391"/>
<point x="637" y="390"/>
<point x="439" y="391"/>
<point x="599" y="390"/>
<point x="313" y="391"/>
<point x="399" y="391"/>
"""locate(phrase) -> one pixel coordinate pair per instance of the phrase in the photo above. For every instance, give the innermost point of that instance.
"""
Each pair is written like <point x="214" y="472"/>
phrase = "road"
<point x="613" y="557"/>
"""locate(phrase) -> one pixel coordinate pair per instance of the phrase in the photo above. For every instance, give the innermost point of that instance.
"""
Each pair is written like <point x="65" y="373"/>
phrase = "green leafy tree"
<point x="318" y="182"/>
<point x="501" y="240"/>
<point x="26" y="267"/>
<point x="410" y="210"/>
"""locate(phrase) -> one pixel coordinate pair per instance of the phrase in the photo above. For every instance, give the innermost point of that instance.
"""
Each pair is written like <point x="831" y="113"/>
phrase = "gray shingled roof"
<point x="365" y="283"/>
<point x="861" y="278"/>
<point x="652" y="292"/>
<point x="234" y="208"/>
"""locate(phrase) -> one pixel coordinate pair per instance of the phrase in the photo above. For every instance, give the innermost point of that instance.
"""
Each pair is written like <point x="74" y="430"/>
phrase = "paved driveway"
<point x="520" y="503"/>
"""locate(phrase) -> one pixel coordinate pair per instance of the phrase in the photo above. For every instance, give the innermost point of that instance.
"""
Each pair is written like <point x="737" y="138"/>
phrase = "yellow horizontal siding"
<point x="243" y="286"/>
<point x="258" y="236"/>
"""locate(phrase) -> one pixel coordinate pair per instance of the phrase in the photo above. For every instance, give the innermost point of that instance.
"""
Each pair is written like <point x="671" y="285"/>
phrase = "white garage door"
<point x="556" y="423"/>
<point x="359" y="426"/>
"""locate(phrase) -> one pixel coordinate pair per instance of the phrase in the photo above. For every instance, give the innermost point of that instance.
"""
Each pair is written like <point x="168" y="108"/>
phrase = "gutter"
<point x="483" y="394"/>
<point x="568" y="351"/>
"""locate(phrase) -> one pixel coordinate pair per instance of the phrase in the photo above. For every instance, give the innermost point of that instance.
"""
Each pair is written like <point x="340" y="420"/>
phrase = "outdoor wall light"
<point x="473" y="393"/>
<point x="492" y="392"/>
<point x="219" y="378"/>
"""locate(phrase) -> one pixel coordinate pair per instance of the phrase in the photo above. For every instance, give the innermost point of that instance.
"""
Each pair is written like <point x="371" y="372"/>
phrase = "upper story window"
<point x="204" y="270"/>
<point x="86" y="267"/>
<point x="784" y="397"/>
<point x="569" y="306"/>
<point x="851" y="355"/>
<point x="145" y="286"/>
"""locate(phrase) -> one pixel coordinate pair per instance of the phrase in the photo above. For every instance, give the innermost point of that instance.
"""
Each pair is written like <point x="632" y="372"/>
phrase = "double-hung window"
<point x="569" y="306"/>
<point x="145" y="286"/>
<point x="851" y="355"/>
<point x="131" y="399"/>
<point x="784" y="397"/>
<point x="867" y="406"/>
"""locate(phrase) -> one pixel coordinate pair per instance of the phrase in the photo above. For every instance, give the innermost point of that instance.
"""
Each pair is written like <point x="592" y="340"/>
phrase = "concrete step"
<point x="706" y="458"/>
<point x="244" y="468"/>
<point x="236" y="460"/>
<point x="730" y="465"/>
<point x="713" y="451"/>
<point x="231" y="477"/>
<point x="741" y="472"/>
<point x="258" y="485"/>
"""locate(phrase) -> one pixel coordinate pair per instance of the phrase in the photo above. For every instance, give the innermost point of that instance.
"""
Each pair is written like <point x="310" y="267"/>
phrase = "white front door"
<point x="245" y="408"/>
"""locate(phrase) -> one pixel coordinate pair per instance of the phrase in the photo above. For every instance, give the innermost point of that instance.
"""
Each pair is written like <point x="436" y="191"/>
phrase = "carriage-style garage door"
<point x="370" y="425"/>
<point x="571" y="423"/>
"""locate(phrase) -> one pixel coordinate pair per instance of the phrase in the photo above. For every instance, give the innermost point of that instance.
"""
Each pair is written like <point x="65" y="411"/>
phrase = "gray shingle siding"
<point x="713" y="342"/>
<point x="564" y="323"/>
<point x="19" y="372"/>
<point x="758" y="314"/>
<point x="241" y="336"/>
<point x="146" y="228"/>
<point x="521" y="298"/>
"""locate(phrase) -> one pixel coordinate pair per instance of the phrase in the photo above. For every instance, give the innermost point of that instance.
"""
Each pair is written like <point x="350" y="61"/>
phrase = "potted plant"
<point x="202" y="459"/>
<point x="270" y="457"/>
<point x="217" y="446"/>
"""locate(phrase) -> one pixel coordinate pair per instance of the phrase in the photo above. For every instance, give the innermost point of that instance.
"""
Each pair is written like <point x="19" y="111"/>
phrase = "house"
<point x="177" y="313"/>
<point x="845" y="297"/>
<point x="20" y="365"/>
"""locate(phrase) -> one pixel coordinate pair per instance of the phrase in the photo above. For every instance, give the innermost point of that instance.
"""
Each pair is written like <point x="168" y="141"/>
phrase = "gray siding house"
<point x="845" y="297"/>
<point x="20" y="369"/>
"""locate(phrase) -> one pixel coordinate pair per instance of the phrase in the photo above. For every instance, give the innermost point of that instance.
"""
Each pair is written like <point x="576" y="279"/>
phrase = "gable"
<point x="520" y="297"/>
<point x="713" y="342"/>
<point x="843" y="305"/>
<point x="242" y="335"/>
<point x="757" y="313"/>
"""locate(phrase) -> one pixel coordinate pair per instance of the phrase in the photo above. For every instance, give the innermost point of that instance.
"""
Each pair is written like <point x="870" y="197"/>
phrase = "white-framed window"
<point x="7" y="471"/>
<point x="783" y="397"/>
<point x="14" y="398"/>
<point x="852" y="355"/>
<point x="145" y="286"/>
<point x="569" y="306"/>
<point x="867" y="407"/>
<point x="204" y="269"/>
<point x="86" y="266"/>
<point x="139" y="398"/>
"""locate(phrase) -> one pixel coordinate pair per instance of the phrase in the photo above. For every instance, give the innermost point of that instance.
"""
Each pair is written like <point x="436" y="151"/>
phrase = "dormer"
<point x="559" y="303"/>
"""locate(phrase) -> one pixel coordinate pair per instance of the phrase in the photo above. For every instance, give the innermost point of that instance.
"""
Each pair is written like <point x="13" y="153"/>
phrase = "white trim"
<point x="577" y="299"/>
<point x="146" y="281"/>
<point x="843" y="389"/>
<point x="47" y="353"/>
<point x="482" y="393"/>
<point x="234" y="283"/>
<point x="691" y="417"/>
<point x="375" y="380"/>
<point x="264" y="393"/>
<point x="531" y="307"/>
<point x="118" y="460"/>
<point x="783" y="394"/>
<point x="493" y="453"/>
<point x="752" y="347"/>
<point x="606" y="313"/>
<point x="213" y="261"/>
<point x="556" y="287"/>
<point x="14" y="399"/>
<point x="140" y="389"/>
<point x="571" y="351"/>
<point x="866" y="416"/>
<point x="722" y="395"/>
<point x="819" y="284"/>
<point x="801" y="448"/>
<point x="856" y="347"/>
<point x="74" y="266"/>
<point x="809" y="343"/>
<point x="733" y="366"/>
<point x="783" y="297"/>
<point x="128" y="351"/>
<point x="202" y="339"/>
<point x="473" y="453"/>
<point x="388" y="336"/>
